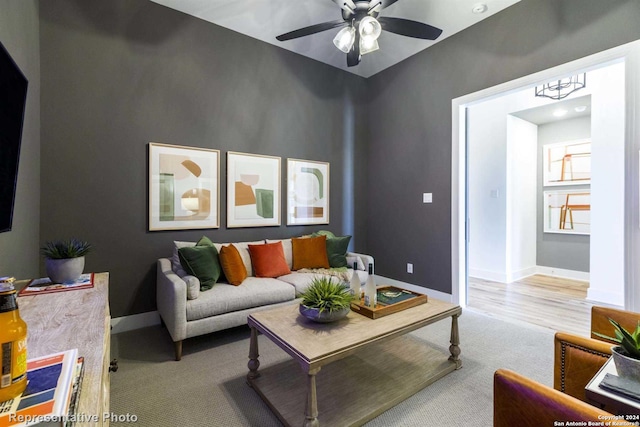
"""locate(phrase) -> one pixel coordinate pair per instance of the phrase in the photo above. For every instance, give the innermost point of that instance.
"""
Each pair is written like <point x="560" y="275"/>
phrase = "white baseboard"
<point x="602" y="297"/>
<point x="560" y="272"/>
<point x="135" y="321"/>
<point x="521" y="274"/>
<point x="497" y="276"/>
<point x="494" y="276"/>
<point x="381" y="280"/>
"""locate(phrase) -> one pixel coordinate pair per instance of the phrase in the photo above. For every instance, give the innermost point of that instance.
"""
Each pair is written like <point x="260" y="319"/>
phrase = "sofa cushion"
<point x="301" y="281"/>
<point x="243" y="249"/>
<point x="226" y="298"/>
<point x="201" y="262"/>
<point x="268" y="260"/>
<point x="232" y="264"/>
<point x="288" y="250"/>
<point x="337" y="251"/>
<point x="310" y="252"/>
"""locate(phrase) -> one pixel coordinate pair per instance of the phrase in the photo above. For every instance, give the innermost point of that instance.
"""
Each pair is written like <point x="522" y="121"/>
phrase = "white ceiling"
<point x="544" y="114"/>
<point x="266" y="19"/>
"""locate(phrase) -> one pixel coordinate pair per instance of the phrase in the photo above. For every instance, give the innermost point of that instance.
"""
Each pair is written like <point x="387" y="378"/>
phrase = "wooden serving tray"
<point x="382" y="309"/>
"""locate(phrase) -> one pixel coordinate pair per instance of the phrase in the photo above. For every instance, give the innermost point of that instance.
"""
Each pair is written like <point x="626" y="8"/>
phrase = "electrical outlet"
<point x="427" y="197"/>
<point x="409" y="268"/>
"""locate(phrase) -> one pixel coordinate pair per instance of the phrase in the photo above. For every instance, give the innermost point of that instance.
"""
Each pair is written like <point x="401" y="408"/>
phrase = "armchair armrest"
<point x="520" y="401"/>
<point x="600" y="321"/>
<point x="576" y="361"/>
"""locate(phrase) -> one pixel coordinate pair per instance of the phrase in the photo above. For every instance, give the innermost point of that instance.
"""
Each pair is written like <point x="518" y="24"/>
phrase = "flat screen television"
<point x="13" y="98"/>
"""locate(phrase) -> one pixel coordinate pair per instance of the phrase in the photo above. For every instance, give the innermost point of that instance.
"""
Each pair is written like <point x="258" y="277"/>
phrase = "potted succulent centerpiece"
<point x="64" y="259"/>
<point x="325" y="300"/>
<point x="626" y="356"/>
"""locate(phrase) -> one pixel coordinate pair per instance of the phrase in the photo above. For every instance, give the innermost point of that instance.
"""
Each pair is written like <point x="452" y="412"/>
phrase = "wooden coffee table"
<point x="368" y="366"/>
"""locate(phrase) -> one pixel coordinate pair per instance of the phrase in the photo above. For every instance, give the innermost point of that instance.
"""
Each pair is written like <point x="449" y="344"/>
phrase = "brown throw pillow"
<point x="231" y="261"/>
<point x="268" y="260"/>
<point x="310" y="252"/>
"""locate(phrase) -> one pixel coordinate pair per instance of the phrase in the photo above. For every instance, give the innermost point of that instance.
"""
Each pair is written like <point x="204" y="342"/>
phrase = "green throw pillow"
<point x="202" y="262"/>
<point x="337" y="251"/>
<point x="327" y="233"/>
<point x="205" y="241"/>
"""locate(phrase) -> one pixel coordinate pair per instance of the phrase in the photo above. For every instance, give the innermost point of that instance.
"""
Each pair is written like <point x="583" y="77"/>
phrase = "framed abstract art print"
<point x="184" y="187"/>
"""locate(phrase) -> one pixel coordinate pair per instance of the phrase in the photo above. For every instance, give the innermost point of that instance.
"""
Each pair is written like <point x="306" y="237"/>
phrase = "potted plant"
<point x="325" y="300"/>
<point x="64" y="259"/>
<point x="626" y="356"/>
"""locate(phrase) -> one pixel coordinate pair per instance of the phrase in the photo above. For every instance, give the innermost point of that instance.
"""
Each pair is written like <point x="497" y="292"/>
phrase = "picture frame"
<point x="567" y="163"/>
<point x="567" y="211"/>
<point x="184" y="187"/>
<point x="253" y="190"/>
<point x="307" y="192"/>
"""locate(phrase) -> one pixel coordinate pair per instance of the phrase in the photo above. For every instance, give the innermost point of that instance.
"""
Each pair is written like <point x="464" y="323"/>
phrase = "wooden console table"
<point x="74" y="319"/>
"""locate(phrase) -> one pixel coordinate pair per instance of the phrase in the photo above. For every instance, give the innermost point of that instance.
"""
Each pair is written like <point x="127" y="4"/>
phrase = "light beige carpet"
<point x="207" y="387"/>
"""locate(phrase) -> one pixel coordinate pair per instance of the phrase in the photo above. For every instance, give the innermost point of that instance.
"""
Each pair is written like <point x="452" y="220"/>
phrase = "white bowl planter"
<point x="66" y="270"/>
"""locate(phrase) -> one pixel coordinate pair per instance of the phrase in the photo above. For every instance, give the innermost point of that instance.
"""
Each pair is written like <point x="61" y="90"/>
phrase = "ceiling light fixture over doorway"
<point x="561" y="88"/>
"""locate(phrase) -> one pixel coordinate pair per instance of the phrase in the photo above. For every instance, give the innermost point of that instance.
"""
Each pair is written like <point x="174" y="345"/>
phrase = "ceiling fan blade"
<point x="307" y="31"/>
<point x="406" y="27"/>
<point x="347" y="5"/>
<point x="353" y="57"/>
<point x="378" y="5"/>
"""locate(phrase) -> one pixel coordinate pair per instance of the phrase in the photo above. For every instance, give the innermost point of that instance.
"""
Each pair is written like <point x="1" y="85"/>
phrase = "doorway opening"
<point x="523" y="223"/>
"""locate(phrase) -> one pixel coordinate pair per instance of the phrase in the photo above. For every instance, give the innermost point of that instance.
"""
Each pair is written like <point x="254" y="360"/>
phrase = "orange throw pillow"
<point x="231" y="262"/>
<point x="310" y="252"/>
<point x="268" y="260"/>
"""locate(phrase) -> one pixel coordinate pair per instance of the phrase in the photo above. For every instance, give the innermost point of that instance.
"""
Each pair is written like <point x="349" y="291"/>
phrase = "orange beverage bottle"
<point x="13" y="345"/>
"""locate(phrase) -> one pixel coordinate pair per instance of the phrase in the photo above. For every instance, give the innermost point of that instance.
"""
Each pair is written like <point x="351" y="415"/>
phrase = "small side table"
<point x="621" y="405"/>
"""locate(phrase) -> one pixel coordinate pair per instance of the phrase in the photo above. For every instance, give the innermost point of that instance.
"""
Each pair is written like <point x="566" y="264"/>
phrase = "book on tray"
<point x="51" y="396"/>
<point x="45" y="286"/>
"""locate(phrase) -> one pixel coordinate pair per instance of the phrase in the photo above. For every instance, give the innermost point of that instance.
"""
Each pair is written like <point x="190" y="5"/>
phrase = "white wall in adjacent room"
<point x="522" y="148"/>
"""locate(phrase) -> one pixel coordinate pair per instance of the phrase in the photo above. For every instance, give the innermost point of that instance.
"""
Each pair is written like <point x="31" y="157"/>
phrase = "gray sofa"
<point x="188" y="312"/>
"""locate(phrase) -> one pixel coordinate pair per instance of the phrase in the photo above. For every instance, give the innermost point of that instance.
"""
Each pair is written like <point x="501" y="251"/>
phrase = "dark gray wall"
<point x="118" y="74"/>
<point x="566" y="251"/>
<point x="19" y="247"/>
<point x="410" y="118"/>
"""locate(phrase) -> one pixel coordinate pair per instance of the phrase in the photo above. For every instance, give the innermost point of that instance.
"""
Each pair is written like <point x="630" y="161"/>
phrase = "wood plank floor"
<point x="550" y="302"/>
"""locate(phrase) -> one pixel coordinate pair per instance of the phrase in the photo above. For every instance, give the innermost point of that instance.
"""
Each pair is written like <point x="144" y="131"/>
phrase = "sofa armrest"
<point x="171" y="298"/>
<point x="366" y="259"/>
<point x="576" y="360"/>
<point x="521" y="401"/>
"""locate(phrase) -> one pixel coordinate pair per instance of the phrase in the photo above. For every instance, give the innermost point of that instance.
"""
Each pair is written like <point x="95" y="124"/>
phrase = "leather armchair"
<point x="520" y="401"/>
<point x="578" y="359"/>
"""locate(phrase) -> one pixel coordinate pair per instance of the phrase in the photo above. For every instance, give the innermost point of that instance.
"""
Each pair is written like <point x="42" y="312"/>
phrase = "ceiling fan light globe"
<point x="369" y="28"/>
<point x="368" y="46"/>
<point x="345" y="38"/>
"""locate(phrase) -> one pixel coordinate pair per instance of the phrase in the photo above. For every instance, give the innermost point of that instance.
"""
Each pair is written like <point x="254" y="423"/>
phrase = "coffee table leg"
<point x="254" y="363"/>
<point x="455" y="342"/>
<point x="311" y="411"/>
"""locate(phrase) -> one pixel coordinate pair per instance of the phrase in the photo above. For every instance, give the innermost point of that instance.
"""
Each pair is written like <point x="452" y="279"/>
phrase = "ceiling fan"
<point x="362" y="27"/>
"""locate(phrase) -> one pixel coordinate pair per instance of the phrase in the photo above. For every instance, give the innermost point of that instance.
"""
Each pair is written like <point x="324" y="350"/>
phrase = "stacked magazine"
<point x="52" y="393"/>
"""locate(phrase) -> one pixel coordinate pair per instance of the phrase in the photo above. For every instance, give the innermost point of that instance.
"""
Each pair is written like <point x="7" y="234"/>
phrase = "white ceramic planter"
<point x="66" y="270"/>
<point x="626" y="366"/>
